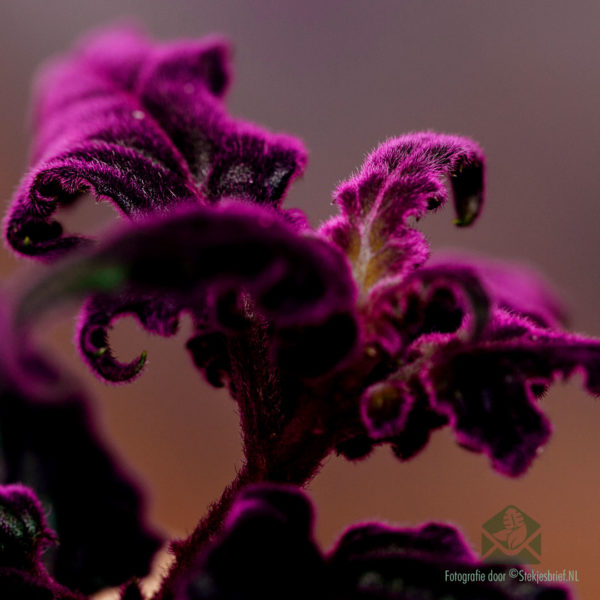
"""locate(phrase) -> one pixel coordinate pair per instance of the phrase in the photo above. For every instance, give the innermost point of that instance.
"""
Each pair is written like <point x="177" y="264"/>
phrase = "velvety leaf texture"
<point x="197" y="259"/>
<point x="142" y="125"/>
<point x="429" y="541"/>
<point x="512" y="287"/>
<point x="337" y="340"/>
<point x="267" y="551"/>
<point x="460" y="346"/>
<point x="48" y="443"/>
<point x="24" y="535"/>
<point x="159" y="316"/>
<point x="434" y="299"/>
<point x="420" y="421"/>
<point x="489" y="388"/>
<point x="400" y="180"/>
<point x="268" y="544"/>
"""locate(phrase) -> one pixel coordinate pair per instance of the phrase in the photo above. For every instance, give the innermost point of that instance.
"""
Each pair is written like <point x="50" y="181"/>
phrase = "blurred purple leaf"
<point x="142" y="125"/>
<point x="196" y="260"/>
<point x="47" y="442"/>
<point x="267" y="551"/>
<point x="24" y="535"/>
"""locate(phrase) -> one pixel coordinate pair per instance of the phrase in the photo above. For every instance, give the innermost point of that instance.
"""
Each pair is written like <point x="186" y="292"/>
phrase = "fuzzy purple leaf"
<point x="267" y="551"/>
<point x="24" y="536"/>
<point x="24" y="533"/>
<point x="374" y="561"/>
<point x="400" y="180"/>
<point x="432" y="540"/>
<point x="142" y="125"/>
<point x="460" y="345"/>
<point x="182" y="85"/>
<point x="94" y="505"/>
<point x="267" y="543"/>
<point x="385" y="407"/>
<point x="512" y="287"/>
<point x="489" y="388"/>
<point x="421" y="420"/>
<point x="156" y="315"/>
<point x="197" y="259"/>
<point x="441" y="299"/>
<point x="111" y="519"/>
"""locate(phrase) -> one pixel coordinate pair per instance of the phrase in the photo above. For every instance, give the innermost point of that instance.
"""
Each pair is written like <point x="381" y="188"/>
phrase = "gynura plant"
<point x="329" y="341"/>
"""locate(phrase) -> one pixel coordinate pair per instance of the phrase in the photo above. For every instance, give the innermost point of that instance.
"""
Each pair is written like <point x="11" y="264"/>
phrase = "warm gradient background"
<point x="521" y="77"/>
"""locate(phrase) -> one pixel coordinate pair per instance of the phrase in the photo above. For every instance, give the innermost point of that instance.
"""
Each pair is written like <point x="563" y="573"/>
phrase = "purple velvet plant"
<point x="330" y="341"/>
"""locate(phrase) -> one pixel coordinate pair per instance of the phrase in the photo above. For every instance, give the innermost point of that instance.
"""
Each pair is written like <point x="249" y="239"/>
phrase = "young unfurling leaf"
<point x="403" y="179"/>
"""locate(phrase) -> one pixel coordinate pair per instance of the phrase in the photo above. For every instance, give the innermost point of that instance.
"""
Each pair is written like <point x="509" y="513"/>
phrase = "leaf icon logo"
<point x="515" y="529"/>
<point x="513" y="533"/>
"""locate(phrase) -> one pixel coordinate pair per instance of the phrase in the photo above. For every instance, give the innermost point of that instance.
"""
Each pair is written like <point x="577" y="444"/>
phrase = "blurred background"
<point x="522" y="78"/>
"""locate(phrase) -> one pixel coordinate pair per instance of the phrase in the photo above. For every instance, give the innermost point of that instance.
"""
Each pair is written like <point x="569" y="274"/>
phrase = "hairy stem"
<point x="288" y="426"/>
<point x="297" y="462"/>
<point x="185" y="551"/>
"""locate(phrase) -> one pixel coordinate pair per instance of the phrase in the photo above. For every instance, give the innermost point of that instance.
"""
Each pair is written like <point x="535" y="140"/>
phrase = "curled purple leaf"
<point x="157" y="315"/>
<point x="512" y="287"/>
<point x="402" y="179"/>
<point x="210" y="354"/>
<point x="181" y="85"/>
<point x="440" y="299"/>
<point x="385" y="407"/>
<point x="488" y="388"/>
<point x="197" y="258"/>
<point x="93" y="134"/>
<point x="142" y="125"/>
<point x="94" y="506"/>
<point x="113" y="513"/>
<point x="420" y="421"/>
